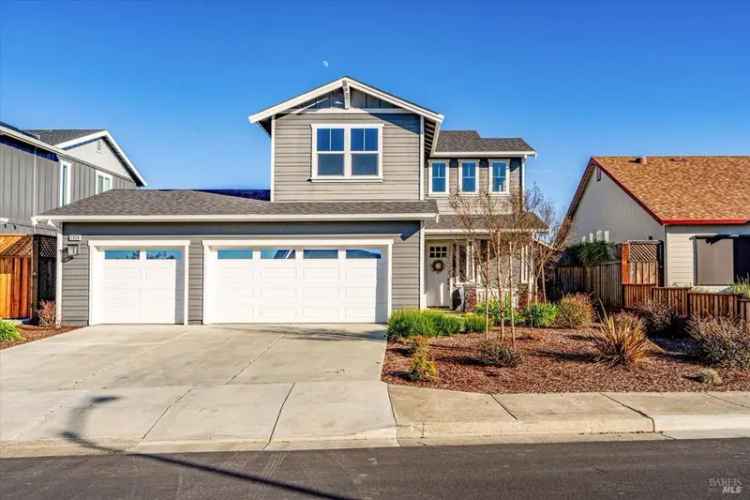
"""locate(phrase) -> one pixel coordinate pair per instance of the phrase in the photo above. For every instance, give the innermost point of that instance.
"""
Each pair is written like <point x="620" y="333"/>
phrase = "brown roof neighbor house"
<point x="698" y="206"/>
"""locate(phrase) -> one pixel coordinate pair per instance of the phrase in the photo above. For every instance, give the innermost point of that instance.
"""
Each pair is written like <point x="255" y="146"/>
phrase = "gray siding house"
<point x="45" y="169"/>
<point x="41" y="170"/>
<point x="357" y="217"/>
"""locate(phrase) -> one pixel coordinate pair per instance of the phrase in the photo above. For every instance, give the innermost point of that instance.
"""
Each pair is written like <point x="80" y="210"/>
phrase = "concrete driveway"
<point x="162" y="387"/>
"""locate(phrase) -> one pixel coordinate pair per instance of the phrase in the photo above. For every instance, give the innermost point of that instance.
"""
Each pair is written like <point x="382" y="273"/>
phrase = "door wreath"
<point x="438" y="266"/>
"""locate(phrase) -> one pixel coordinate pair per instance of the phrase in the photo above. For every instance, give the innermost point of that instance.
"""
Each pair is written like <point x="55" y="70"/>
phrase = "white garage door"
<point x="296" y="285"/>
<point x="138" y="285"/>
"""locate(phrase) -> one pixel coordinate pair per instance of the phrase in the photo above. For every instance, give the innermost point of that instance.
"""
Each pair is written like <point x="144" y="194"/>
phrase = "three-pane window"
<point x="469" y="176"/>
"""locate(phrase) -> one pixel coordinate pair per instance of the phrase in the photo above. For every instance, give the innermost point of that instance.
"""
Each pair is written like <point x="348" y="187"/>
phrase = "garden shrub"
<point x="476" y="323"/>
<point x="660" y="319"/>
<point x="494" y="353"/>
<point x="574" y="311"/>
<point x="721" y="342"/>
<point x="445" y="323"/>
<point x="742" y="287"/>
<point x="497" y="312"/>
<point x="46" y="313"/>
<point x="405" y="323"/>
<point x="423" y="367"/>
<point x="8" y="332"/>
<point x="621" y="340"/>
<point x="541" y="315"/>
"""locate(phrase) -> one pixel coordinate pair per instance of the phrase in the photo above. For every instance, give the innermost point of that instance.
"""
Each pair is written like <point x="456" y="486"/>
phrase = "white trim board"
<point x="241" y="217"/>
<point x="329" y="87"/>
<point x="483" y="154"/>
<point x="104" y="134"/>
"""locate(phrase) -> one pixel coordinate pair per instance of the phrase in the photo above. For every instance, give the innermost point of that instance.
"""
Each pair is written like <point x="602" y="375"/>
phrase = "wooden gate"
<point x="15" y="287"/>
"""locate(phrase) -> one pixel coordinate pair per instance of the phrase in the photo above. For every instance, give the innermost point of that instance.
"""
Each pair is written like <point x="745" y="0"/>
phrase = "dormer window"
<point x="499" y="176"/>
<point x="351" y="152"/>
<point x="468" y="177"/>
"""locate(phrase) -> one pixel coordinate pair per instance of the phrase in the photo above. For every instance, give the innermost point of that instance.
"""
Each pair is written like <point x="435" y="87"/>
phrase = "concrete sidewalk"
<point x="285" y="416"/>
<point x="430" y="413"/>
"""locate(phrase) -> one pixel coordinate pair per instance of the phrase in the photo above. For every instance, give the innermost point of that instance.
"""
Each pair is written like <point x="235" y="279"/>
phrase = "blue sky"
<point x="175" y="82"/>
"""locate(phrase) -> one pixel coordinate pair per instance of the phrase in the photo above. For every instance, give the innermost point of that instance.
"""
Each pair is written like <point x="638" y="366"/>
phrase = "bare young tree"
<point x="547" y="244"/>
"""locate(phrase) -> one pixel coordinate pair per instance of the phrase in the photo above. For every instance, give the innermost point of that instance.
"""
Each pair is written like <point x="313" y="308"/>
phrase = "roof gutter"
<point x="705" y="222"/>
<point x="235" y="218"/>
<point x="452" y="154"/>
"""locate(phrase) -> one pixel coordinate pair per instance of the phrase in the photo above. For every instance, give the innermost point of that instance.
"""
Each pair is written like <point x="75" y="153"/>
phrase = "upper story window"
<point x="439" y="177"/>
<point x="499" y="176"/>
<point x="65" y="177"/>
<point x="103" y="182"/>
<point x="468" y="177"/>
<point x="330" y="151"/>
<point x="347" y="152"/>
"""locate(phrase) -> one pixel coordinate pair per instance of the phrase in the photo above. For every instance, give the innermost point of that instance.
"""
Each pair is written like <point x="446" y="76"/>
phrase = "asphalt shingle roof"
<point x="687" y="189"/>
<point x="450" y="141"/>
<point x="57" y="136"/>
<point x="140" y="202"/>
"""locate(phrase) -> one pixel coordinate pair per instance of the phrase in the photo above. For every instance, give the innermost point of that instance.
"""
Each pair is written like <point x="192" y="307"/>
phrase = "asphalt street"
<point x="644" y="469"/>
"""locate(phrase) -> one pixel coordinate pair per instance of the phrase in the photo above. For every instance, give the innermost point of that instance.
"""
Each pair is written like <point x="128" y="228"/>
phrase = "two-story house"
<point x="358" y="215"/>
<point x="41" y="170"/>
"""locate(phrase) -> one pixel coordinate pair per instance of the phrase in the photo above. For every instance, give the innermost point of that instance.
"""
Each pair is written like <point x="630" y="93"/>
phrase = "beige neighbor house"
<point x="697" y="206"/>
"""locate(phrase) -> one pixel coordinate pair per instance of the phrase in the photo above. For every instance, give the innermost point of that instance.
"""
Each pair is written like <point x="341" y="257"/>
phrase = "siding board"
<point x="293" y="159"/>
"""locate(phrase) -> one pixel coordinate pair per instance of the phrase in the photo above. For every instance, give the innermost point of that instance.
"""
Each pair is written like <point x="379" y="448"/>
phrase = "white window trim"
<point x="347" y="177"/>
<point x="461" y="176"/>
<point x="65" y="196"/>
<point x="447" y="179"/>
<point x="506" y="189"/>
<point x="103" y="176"/>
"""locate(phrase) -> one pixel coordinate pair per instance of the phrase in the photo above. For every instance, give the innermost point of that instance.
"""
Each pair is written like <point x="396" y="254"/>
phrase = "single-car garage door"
<point x="296" y="284"/>
<point x="137" y="285"/>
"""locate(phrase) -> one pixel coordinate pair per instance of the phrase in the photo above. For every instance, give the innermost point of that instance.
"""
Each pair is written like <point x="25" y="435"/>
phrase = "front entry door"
<point x="438" y="289"/>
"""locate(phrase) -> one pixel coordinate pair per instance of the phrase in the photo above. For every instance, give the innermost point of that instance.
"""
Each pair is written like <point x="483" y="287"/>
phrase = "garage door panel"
<point x="138" y="285"/>
<point x="317" y="285"/>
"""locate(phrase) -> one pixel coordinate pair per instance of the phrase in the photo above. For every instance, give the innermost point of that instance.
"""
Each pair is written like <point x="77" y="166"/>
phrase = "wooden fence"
<point x="688" y="303"/>
<point x="603" y="282"/>
<point x="15" y="287"/>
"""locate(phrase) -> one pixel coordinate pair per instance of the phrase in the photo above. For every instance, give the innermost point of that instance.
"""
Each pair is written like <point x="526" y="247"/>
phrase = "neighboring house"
<point x="41" y="170"/>
<point x="357" y="217"/>
<point x="697" y="206"/>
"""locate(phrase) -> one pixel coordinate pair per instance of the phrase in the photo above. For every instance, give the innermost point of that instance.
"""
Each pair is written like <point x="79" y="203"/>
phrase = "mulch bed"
<point x="557" y="360"/>
<point x="31" y="333"/>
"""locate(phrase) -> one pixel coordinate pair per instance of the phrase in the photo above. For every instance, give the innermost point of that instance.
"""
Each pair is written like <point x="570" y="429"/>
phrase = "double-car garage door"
<point x="295" y="284"/>
<point x="242" y="283"/>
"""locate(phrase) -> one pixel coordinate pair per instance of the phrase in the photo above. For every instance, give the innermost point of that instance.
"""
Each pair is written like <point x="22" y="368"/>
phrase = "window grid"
<point x="469" y="176"/>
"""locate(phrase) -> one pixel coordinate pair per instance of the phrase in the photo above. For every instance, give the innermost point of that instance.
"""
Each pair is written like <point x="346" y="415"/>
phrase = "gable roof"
<point x="56" y="136"/>
<point x="70" y="138"/>
<point x="452" y="142"/>
<point x="338" y="83"/>
<point x="194" y="205"/>
<point x="679" y="190"/>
